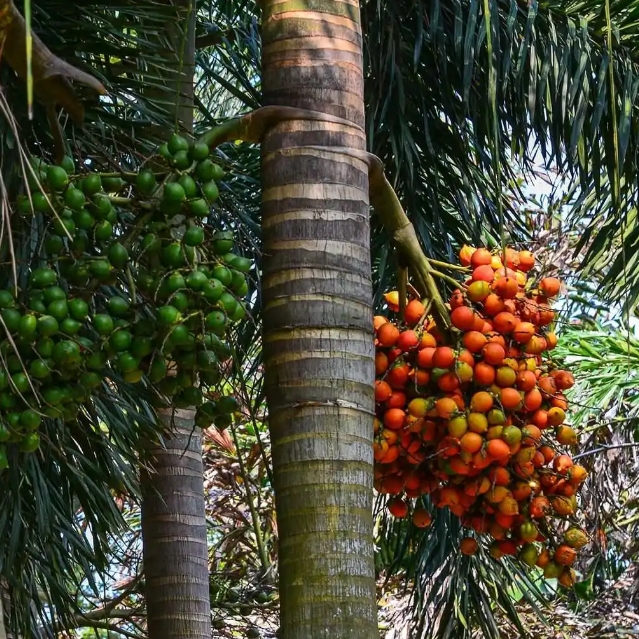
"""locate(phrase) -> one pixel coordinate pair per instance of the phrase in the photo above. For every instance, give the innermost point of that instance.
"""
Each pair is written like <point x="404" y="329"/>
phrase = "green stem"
<point x="120" y="201"/>
<point x="257" y="530"/>
<point x="446" y="278"/>
<point x="446" y="265"/>
<point x="129" y="277"/>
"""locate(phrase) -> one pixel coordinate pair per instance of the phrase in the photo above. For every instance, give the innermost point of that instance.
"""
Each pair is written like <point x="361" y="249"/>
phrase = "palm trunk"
<point x="318" y="343"/>
<point x="174" y="530"/>
<point x="174" y="534"/>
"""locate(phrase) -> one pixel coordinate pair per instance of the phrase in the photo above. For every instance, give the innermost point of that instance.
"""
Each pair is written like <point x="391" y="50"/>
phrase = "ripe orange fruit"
<point x="559" y="401"/>
<point x="510" y="398"/>
<point x="546" y="315"/>
<point x="378" y="320"/>
<point x="493" y="305"/>
<point x="532" y="435"/>
<point x="465" y="254"/>
<point x="484" y="273"/>
<point x="444" y="357"/>
<point x="425" y="357"/>
<point x="457" y="299"/>
<point x="562" y="463"/>
<point x="407" y="340"/>
<point x="387" y="334"/>
<point x="479" y="257"/>
<point x="523" y="332"/>
<point x="547" y="386"/>
<point x="414" y="312"/>
<point x="551" y="340"/>
<point x="397" y="376"/>
<point x="532" y="400"/>
<point x="463" y="318"/>
<point x="563" y="506"/>
<point x="543" y="559"/>
<point x="448" y="382"/>
<point x="535" y="345"/>
<point x="471" y="442"/>
<point x="506" y="287"/>
<point x="526" y="380"/>
<point x="499" y="476"/>
<point x="564" y="380"/>
<point x="474" y="341"/>
<point x="468" y="546"/>
<point x="398" y="508"/>
<point x="565" y="555"/>
<point x="396" y="400"/>
<point x="484" y="374"/>
<point x="422" y="518"/>
<point x="550" y="286"/>
<point x="498" y="449"/>
<point x="577" y="474"/>
<point x="394" y="418"/>
<point x="540" y="419"/>
<point x="382" y="391"/>
<point x="493" y="353"/>
<point x="445" y="407"/>
<point x="481" y="402"/>
<point x="567" y="578"/>
<point x="505" y="322"/>
<point x="539" y="507"/>
<point x="548" y="453"/>
<point x="381" y="363"/>
<point x="526" y="261"/>
<point x="422" y="377"/>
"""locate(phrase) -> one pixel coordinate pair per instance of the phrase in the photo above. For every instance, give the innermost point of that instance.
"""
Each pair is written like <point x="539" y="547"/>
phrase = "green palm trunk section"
<point x="318" y="342"/>
<point x="174" y="527"/>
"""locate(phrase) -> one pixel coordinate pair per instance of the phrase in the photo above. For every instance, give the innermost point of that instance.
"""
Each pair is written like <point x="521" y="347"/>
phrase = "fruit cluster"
<point x="478" y="423"/>
<point x="130" y="281"/>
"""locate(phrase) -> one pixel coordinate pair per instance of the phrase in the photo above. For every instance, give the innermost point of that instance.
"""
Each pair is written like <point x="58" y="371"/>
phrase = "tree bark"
<point x="318" y="334"/>
<point x="174" y="530"/>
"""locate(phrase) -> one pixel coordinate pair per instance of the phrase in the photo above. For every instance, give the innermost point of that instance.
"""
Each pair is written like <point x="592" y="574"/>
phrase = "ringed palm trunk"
<point x="318" y="343"/>
<point x="174" y="533"/>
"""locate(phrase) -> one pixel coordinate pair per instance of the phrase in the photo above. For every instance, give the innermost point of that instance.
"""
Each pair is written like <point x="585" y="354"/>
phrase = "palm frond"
<point x="453" y="595"/>
<point x="58" y="509"/>
<point x="565" y="93"/>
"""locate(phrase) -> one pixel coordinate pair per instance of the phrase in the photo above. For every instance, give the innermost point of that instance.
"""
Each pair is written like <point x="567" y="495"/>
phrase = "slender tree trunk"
<point x="173" y="510"/>
<point x="174" y="535"/>
<point x="318" y="343"/>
